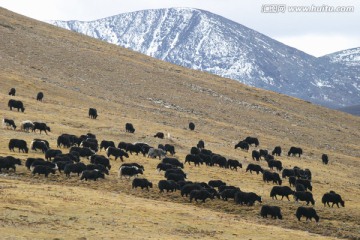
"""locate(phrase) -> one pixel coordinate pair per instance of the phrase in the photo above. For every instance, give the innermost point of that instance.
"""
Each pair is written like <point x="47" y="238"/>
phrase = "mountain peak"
<point x="204" y="41"/>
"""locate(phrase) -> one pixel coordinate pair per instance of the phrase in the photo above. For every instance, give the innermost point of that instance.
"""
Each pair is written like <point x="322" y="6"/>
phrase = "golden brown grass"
<point x="76" y="72"/>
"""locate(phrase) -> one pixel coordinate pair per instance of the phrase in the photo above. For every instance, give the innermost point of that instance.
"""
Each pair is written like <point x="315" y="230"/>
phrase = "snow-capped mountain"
<point x="205" y="41"/>
<point x="349" y="57"/>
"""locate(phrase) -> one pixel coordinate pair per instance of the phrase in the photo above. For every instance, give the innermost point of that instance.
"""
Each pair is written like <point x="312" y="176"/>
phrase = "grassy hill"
<point x="76" y="72"/>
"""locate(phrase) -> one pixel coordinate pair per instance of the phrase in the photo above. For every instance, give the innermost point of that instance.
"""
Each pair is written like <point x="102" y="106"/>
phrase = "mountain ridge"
<point x="202" y="40"/>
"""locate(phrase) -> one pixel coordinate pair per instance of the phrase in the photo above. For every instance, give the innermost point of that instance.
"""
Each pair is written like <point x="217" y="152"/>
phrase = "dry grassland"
<point x="76" y="72"/>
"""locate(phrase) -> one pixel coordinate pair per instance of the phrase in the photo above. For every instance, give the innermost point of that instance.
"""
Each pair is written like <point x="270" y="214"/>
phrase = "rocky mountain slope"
<point x="204" y="41"/>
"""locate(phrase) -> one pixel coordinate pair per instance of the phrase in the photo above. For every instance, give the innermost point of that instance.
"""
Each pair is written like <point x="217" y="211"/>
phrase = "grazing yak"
<point x="99" y="167"/>
<point x="123" y="145"/>
<point x="248" y="198"/>
<point x="176" y="171"/>
<point x="295" y="150"/>
<point x="212" y="191"/>
<point x="263" y="153"/>
<point x="117" y="153"/>
<point x="100" y="159"/>
<point x="206" y="159"/>
<point x="271" y="176"/>
<point x="169" y="148"/>
<point x="64" y="140"/>
<point x="219" y="160"/>
<point x="8" y="123"/>
<point x="227" y="193"/>
<point x="29" y="162"/>
<point x="255" y="155"/>
<point x="173" y="161"/>
<point x="133" y="165"/>
<point x="129" y="171"/>
<point x="254" y="167"/>
<point x="41" y="162"/>
<point x="46" y="142"/>
<point x="276" y="151"/>
<point x="288" y="173"/>
<point x="305" y="182"/>
<point x="51" y="153"/>
<point x="92" y="175"/>
<point x="40" y="126"/>
<point x="275" y="163"/>
<point x="88" y="143"/>
<point x="201" y="144"/>
<point x="74" y="168"/>
<point x="12" y="92"/>
<point x="175" y="176"/>
<point x="105" y="144"/>
<point x="325" y="159"/>
<point x="283" y="191"/>
<point x="168" y="185"/>
<point x="70" y="157"/>
<point x="18" y="143"/>
<point x="39" y="145"/>
<point x="273" y="211"/>
<point x="40" y="96"/>
<point x="43" y="169"/>
<point x="142" y="182"/>
<point x="133" y="148"/>
<point x="200" y="194"/>
<point x="233" y="164"/>
<point x="16" y="104"/>
<point x="292" y="181"/>
<point x="9" y="162"/>
<point x="194" y="150"/>
<point x="252" y="140"/>
<point x="302" y="173"/>
<point x="82" y="152"/>
<point x="216" y="183"/>
<point x="304" y="196"/>
<point x="307" y="212"/>
<point x="193" y="158"/>
<point x="159" y="135"/>
<point x="90" y="135"/>
<point x="191" y="126"/>
<point x="129" y="128"/>
<point x="26" y="126"/>
<point x="93" y="113"/>
<point x="187" y="188"/>
<point x="164" y="166"/>
<point x="156" y="152"/>
<point x="332" y="197"/>
<point x="243" y="145"/>
<point x="61" y="165"/>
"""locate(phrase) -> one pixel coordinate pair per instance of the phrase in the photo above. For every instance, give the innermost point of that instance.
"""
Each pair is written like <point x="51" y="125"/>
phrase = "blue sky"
<point x="316" y="33"/>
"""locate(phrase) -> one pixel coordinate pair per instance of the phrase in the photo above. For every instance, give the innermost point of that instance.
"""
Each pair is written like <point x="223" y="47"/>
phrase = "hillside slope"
<point x="76" y="72"/>
<point x="201" y="40"/>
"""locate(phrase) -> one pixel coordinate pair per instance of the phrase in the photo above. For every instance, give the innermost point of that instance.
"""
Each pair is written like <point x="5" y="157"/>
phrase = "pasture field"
<point x="76" y="72"/>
